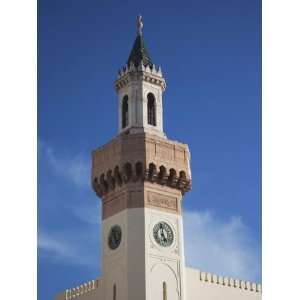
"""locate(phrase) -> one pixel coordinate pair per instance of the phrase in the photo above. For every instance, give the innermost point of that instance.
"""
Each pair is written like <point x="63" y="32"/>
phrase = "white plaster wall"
<point x="200" y="289"/>
<point x="131" y="90"/>
<point x="125" y="266"/>
<point x="163" y="272"/>
<point x="139" y="266"/>
<point x="164" y="264"/>
<point x="137" y="92"/>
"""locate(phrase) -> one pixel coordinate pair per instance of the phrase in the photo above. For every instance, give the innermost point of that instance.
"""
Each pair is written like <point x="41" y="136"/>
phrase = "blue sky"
<point x="210" y="53"/>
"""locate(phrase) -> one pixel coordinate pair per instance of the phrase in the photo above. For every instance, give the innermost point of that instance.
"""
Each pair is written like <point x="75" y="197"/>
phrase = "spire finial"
<point x="139" y="25"/>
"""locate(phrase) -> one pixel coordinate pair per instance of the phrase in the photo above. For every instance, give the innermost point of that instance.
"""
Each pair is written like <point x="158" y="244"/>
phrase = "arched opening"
<point x="162" y="175"/>
<point x="139" y="170"/>
<point x="127" y="172"/>
<point x="110" y="179"/>
<point x="115" y="292"/>
<point x="172" y="177"/>
<point x="117" y="176"/>
<point x="103" y="183"/>
<point x="125" y="111"/>
<point x="165" y="291"/>
<point x="182" y="175"/>
<point x="152" y="171"/>
<point x="151" y="109"/>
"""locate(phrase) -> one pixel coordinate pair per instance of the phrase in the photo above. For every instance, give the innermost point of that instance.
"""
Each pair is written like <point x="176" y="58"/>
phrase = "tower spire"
<point x="140" y="86"/>
<point x="139" y="53"/>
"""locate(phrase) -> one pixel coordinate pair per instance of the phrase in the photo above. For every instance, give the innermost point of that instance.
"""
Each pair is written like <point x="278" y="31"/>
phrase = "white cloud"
<point x="78" y="245"/>
<point x="221" y="247"/>
<point x="54" y="247"/>
<point x="75" y="168"/>
<point x="69" y="249"/>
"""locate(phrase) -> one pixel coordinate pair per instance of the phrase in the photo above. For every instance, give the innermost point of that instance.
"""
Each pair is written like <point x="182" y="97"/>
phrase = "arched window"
<point x="125" y="111"/>
<point x="151" y="109"/>
<point x="165" y="291"/>
<point x="114" y="292"/>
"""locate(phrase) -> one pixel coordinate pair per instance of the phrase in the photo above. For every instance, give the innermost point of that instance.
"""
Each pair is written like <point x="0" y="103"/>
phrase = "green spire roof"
<point x="139" y="53"/>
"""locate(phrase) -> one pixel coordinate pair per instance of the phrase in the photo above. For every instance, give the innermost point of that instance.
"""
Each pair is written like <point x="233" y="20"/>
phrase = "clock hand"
<point x="115" y="237"/>
<point x="162" y="235"/>
<point x="165" y="238"/>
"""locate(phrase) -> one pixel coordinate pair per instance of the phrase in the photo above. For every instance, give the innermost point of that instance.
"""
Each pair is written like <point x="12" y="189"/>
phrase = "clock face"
<point x="163" y="234"/>
<point x="114" y="237"/>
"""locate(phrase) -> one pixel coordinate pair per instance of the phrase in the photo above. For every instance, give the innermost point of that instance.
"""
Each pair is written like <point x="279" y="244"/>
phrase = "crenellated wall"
<point x="199" y="285"/>
<point x="90" y="290"/>
<point x="152" y="75"/>
<point x="203" y="285"/>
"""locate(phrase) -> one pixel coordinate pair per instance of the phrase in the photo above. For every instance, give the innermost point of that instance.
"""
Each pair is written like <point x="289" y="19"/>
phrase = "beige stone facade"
<point x="141" y="177"/>
<point x="199" y="285"/>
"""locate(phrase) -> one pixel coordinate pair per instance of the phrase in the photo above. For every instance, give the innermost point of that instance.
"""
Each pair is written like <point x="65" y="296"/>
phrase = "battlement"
<point x="141" y="157"/>
<point x="155" y="70"/>
<point x="228" y="282"/>
<point x="150" y="74"/>
<point x="83" y="289"/>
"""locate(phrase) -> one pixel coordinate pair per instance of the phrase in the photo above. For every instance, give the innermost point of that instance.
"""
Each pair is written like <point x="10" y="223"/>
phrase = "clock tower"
<point x="141" y="177"/>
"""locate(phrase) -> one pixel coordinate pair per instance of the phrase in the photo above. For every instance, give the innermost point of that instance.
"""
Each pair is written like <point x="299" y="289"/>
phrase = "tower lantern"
<point x="140" y="86"/>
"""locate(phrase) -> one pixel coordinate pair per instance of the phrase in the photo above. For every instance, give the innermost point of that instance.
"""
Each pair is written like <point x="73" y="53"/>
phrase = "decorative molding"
<point x="106" y="183"/>
<point x="162" y="201"/>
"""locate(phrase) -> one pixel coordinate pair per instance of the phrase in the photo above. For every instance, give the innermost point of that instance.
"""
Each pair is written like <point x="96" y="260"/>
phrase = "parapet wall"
<point x="88" y="290"/>
<point x="230" y="282"/>
<point x="199" y="285"/>
<point x="211" y="286"/>
<point x="127" y="73"/>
